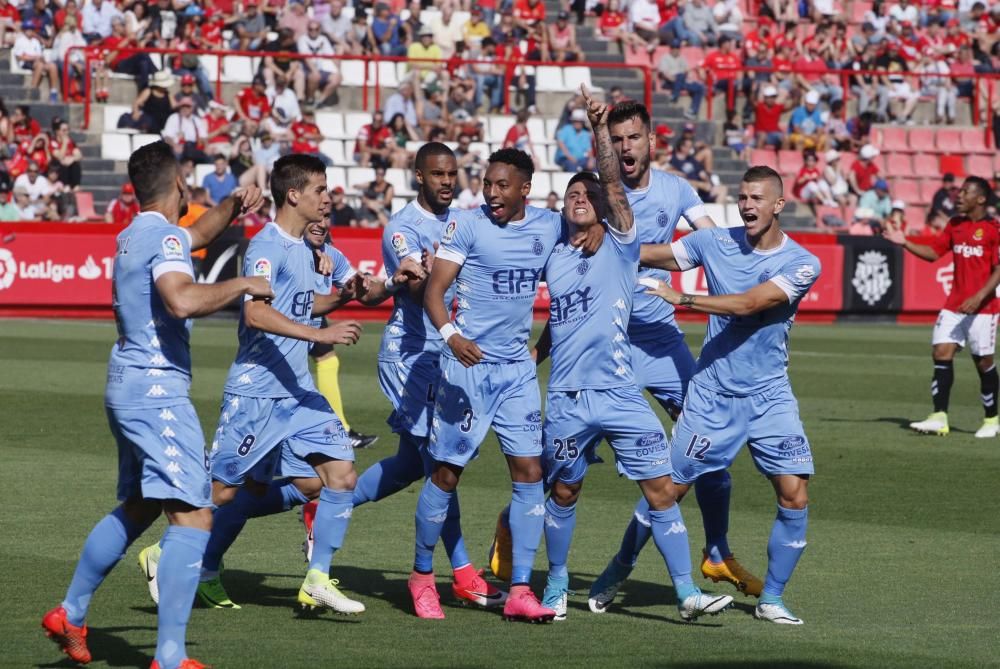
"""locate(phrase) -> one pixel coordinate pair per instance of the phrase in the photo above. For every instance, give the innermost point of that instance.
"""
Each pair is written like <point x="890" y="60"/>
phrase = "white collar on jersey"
<point x="429" y="214"/>
<point x="784" y="240"/>
<point x="156" y="214"/>
<point x="297" y="240"/>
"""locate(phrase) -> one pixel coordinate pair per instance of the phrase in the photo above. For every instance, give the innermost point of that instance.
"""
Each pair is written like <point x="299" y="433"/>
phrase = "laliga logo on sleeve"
<point x="449" y="231"/>
<point x="262" y="268"/>
<point x="399" y="245"/>
<point x="172" y="247"/>
<point x="8" y="268"/>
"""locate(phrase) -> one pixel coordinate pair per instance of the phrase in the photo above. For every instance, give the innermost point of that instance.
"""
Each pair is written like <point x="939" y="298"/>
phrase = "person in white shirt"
<point x="283" y="97"/>
<point x="904" y="11"/>
<point x="472" y="197"/>
<point x="186" y="133"/>
<point x="322" y="74"/>
<point x="644" y="17"/>
<point x="336" y="25"/>
<point x="22" y="202"/>
<point x="36" y="185"/>
<point x="97" y="15"/>
<point x="29" y="52"/>
<point x="448" y="29"/>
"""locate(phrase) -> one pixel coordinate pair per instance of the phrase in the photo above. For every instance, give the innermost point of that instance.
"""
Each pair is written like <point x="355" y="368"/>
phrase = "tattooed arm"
<point x="619" y="213"/>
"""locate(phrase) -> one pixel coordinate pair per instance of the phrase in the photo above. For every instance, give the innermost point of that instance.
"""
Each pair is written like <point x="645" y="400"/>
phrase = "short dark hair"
<point x="629" y="109"/>
<point x="763" y="173"/>
<point x="516" y="158"/>
<point x="293" y="172"/>
<point x="428" y="151"/>
<point x="980" y="183"/>
<point x="583" y="176"/>
<point x="152" y="169"/>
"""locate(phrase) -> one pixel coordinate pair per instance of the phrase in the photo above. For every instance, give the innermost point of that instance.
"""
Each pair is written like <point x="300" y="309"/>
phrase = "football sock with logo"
<point x="432" y="511"/>
<point x="229" y="519"/>
<point x="784" y="548"/>
<point x="560" y="521"/>
<point x="713" y="490"/>
<point x="333" y="515"/>
<point x="105" y="546"/>
<point x="527" y="519"/>
<point x="636" y="535"/>
<point x="670" y="536"/>
<point x="451" y="535"/>
<point x="328" y="385"/>
<point x="989" y="384"/>
<point x="179" y="567"/>
<point x="944" y="375"/>
<point x="392" y="474"/>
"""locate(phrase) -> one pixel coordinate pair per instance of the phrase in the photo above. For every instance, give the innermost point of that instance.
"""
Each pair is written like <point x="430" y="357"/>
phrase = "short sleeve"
<point x="942" y="242"/>
<point x="398" y="243"/>
<point x="262" y="259"/>
<point x="691" y="206"/>
<point x="342" y="268"/>
<point x="689" y="250"/>
<point x="625" y="243"/>
<point x="798" y="276"/>
<point x="457" y="240"/>
<point x="172" y="252"/>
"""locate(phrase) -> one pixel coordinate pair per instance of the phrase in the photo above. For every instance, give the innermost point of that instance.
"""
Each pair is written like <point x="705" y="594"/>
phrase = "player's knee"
<point x="984" y="363"/>
<point x="525" y="470"/>
<point x="183" y="514"/>
<point x="566" y="494"/>
<point x="445" y="476"/>
<point x="142" y="512"/>
<point x="309" y="487"/>
<point x="222" y="493"/>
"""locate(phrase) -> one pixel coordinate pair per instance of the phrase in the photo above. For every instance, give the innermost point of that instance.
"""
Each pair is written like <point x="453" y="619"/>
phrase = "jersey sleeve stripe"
<point x="694" y="213"/>
<point x="681" y="255"/>
<point x="452" y="256"/>
<point x="172" y="266"/>
<point x="623" y="237"/>
<point x="787" y="287"/>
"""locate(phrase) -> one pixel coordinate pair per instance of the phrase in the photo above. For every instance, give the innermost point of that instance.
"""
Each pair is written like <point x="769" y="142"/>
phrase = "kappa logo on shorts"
<point x="172" y="247"/>
<point x="399" y="245"/>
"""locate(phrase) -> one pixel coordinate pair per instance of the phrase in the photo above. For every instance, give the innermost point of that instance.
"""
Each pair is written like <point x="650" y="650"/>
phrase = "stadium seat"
<point x="334" y="150"/>
<point x="143" y="140"/>
<point x="201" y="171"/>
<point x="693" y="55"/>
<point x="733" y="218"/>
<point x="238" y="69"/>
<point x="925" y="166"/>
<point x="400" y="180"/>
<point x="85" y="206"/>
<point x="541" y="185"/>
<point x="398" y="203"/>
<point x="906" y="190"/>
<point x="336" y="176"/>
<point x="894" y="139"/>
<point x="574" y="76"/>
<point x="115" y="146"/>
<point x="386" y="75"/>
<point x="949" y="140"/>
<point x="551" y="125"/>
<point x="717" y="212"/>
<point x="952" y="163"/>
<point x="354" y="121"/>
<point x="211" y="66"/>
<point x="922" y="140"/>
<point x="996" y="162"/>
<point x="352" y="72"/>
<point x="331" y="124"/>
<point x="482" y="148"/>
<point x="560" y="182"/>
<point x="789" y="162"/>
<point x="764" y="157"/>
<point x="498" y="127"/>
<point x="914" y="217"/>
<point x="980" y="166"/>
<point x="899" y="165"/>
<point x="822" y="212"/>
<point x="111" y="114"/>
<point x="549" y="79"/>
<point x="846" y="161"/>
<point x="974" y="141"/>
<point x="927" y="189"/>
<point x="358" y="177"/>
<point x="536" y="130"/>
<point x="858" y="10"/>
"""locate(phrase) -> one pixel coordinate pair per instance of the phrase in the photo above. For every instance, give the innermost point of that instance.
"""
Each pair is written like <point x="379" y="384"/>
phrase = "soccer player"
<point x="970" y="312"/>
<point x="592" y="392"/>
<point x="495" y="255"/>
<point x="161" y="450"/>
<point x="740" y="392"/>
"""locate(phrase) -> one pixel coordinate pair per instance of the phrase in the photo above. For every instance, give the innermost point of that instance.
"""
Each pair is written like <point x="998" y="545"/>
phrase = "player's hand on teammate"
<point x="664" y="291"/>
<point x="409" y="270"/>
<point x="597" y="112"/>
<point x="258" y="287"/>
<point x="248" y="199"/>
<point x="427" y="258"/>
<point x="465" y="350"/>
<point x="356" y="287"/>
<point x="339" y="332"/>
<point x="592" y="239"/>
<point x="324" y="263"/>
<point x="893" y="231"/>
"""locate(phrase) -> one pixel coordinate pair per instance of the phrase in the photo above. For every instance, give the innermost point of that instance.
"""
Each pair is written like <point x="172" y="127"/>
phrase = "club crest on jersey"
<point x="399" y="245"/>
<point x="537" y="247"/>
<point x="262" y="268"/>
<point x="662" y="219"/>
<point x="462" y="447"/>
<point x="449" y="231"/>
<point x="582" y="268"/>
<point x="172" y="247"/>
<point x="978" y="234"/>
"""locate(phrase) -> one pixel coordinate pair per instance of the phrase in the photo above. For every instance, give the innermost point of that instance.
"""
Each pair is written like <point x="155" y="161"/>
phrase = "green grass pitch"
<point x="901" y="568"/>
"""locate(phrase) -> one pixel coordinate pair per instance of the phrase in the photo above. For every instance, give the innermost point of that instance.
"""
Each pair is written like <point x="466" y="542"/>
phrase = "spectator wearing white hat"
<point x="186" y="133"/>
<point x="835" y="179"/>
<point x="862" y="224"/>
<point x="575" y="144"/>
<point x="767" y="119"/>
<point x="806" y="125"/>
<point x="864" y="171"/>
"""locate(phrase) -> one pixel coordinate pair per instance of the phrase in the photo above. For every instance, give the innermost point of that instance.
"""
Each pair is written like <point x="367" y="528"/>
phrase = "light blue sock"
<point x="333" y="515"/>
<point x="451" y="535"/>
<point x="784" y="548"/>
<point x="229" y="519"/>
<point x="560" y="521"/>
<point x="392" y="474"/>
<point x="432" y="512"/>
<point x="636" y="535"/>
<point x="177" y="573"/>
<point x="671" y="539"/>
<point x="102" y="550"/>
<point x="713" y="491"/>
<point x="527" y="521"/>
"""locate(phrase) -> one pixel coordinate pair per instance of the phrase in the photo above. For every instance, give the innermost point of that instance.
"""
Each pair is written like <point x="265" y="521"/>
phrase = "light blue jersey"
<point x="269" y="365"/>
<point x="590" y="299"/>
<point x="409" y="330"/>
<point x="150" y="364"/>
<point x="342" y="271"/>
<point x="744" y="355"/>
<point x="501" y="268"/>
<point x="658" y="209"/>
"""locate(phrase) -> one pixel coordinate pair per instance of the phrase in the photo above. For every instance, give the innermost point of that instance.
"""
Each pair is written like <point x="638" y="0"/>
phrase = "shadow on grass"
<point x="106" y="645"/>
<point x="770" y="664"/>
<point x="902" y="423"/>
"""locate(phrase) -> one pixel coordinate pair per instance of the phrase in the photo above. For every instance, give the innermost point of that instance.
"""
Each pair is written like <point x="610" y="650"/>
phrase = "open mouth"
<point x="628" y="164"/>
<point x="580" y="211"/>
<point x="497" y="209"/>
<point x="748" y="217"/>
<point x="444" y="194"/>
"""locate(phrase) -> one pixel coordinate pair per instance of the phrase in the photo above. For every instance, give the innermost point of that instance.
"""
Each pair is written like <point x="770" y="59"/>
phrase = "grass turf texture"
<point x="903" y="538"/>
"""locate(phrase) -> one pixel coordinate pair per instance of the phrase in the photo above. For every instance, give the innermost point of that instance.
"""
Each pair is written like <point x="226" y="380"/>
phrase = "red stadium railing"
<point x="371" y="80"/>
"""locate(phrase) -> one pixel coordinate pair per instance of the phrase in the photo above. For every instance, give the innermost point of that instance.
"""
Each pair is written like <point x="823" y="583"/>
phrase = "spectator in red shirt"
<point x="864" y="171"/>
<point x="529" y="12"/>
<point x="10" y="17"/>
<point x="518" y="136"/>
<point x="815" y="75"/>
<point x="722" y="66"/>
<point x="251" y="103"/>
<point x="767" y="119"/>
<point x="809" y="186"/>
<point x="138" y="65"/>
<point x="22" y="127"/>
<point x="66" y="157"/>
<point x="220" y="129"/>
<point x="123" y="208"/>
<point x="306" y="136"/>
<point x="373" y="147"/>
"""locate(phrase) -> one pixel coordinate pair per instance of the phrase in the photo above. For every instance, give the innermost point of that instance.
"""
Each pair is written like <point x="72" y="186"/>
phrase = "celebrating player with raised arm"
<point x="495" y="255"/>
<point x="592" y="391"/>
<point x="161" y="449"/>
<point x="740" y="392"/>
<point x="970" y="312"/>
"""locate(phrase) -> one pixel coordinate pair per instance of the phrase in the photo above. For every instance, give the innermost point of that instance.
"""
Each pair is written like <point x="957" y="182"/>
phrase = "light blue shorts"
<point x="470" y="400"/>
<point x="714" y="427"/>
<point x="161" y="454"/>
<point x="252" y="431"/>
<point x="577" y="422"/>
<point x="664" y="368"/>
<point x="410" y="385"/>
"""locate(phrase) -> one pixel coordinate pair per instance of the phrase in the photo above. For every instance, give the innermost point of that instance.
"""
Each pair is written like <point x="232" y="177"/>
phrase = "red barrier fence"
<point x="372" y="75"/>
<point x="65" y="270"/>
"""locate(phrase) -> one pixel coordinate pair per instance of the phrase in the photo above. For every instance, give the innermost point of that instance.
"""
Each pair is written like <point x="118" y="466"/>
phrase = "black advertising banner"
<point x="873" y="275"/>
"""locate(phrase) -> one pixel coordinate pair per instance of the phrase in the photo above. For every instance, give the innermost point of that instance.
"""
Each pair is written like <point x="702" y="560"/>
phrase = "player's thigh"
<point x="162" y="454"/>
<point x="711" y="430"/>
<point x="570" y="437"/>
<point x="248" y="437"/>
<point x="410" y="385"/>
<point x="635" y="433"/>
<point x="664" y="369"/>
<point x="777" y="440"/>
<point x="951" y="328"/>
<point x="517" y="420"/>
<point x="464" y="407"/>
<point x="983" y="334"/>
<point x="315" y="430"/>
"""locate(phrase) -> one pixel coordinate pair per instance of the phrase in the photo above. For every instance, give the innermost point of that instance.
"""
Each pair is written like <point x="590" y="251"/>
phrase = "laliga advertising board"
<point x="42" y="269"/>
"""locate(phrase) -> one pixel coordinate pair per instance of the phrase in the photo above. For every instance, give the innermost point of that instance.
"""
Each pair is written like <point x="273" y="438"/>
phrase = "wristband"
<point x="390" y="286"/>
<point x="447" y="330"/>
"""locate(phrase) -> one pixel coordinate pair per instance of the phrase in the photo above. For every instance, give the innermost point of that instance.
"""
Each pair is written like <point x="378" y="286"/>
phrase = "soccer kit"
<point x="975" y="249"/>
<point x="592" y="391"/>
<point x="740" y="393"/>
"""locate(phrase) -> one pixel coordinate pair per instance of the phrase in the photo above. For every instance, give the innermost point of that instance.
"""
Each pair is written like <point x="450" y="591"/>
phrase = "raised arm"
<point x="214" y="221"/>
<point x="619" y="212"/>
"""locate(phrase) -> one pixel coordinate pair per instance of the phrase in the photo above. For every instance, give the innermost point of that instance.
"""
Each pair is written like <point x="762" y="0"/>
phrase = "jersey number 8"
<point x="244" y="448"/>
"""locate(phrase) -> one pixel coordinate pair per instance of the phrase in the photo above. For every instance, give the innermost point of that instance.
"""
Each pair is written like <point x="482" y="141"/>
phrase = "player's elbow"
<point x="180" y="305"/>
<point x="252" y="315"/>
<point x="748" y="305"/>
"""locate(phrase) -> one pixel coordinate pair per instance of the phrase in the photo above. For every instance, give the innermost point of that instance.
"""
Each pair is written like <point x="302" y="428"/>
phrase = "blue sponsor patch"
<point x="649" y="439"/>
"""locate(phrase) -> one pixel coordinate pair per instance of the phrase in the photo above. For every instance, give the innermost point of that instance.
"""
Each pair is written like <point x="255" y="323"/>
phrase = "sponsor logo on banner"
<point x="872" y="279"/>
<point x="8" y="268"/>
